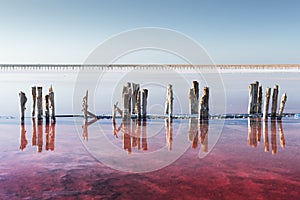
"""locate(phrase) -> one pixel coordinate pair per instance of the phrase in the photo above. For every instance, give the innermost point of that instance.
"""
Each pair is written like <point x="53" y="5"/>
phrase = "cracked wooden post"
<point x="33" y="91"/>
<point x="23" y="100"/>
<point x="253" y="89"/>
<point x="135" y="93"/>
<point x="40" y="104"/>
<point x="126" y="103"/>
<point x="204" y="104"/>
<point x="47" y="108"/>
<point x="194" y="98"/>
<point x="138" y="105"/>
<point x="266" y="103"/>
<point x="169" y="102"/>
<point x="144" y="95"/>
<point x="52" y="105"/>
<point x="282" y="105"/>
<point x="84" y="108"/>
<point x="259" y="100"/>
<point x="274" y="101"/>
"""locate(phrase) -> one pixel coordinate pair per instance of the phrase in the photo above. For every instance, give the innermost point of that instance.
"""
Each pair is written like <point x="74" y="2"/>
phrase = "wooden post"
<point x="84" y="107"/>
<point x="138" y="105"/>
<point x="259" y="100"/>
<point x="274" y="101"/>
<point x="135" y="93"/>
<point x="252" y="107"/>
<point x="126" y="103"/>
<point x="144" y="95"/>
<point x="52" y="105"/>
<point x="282" y="105"/>
<point x="33" y="91"/>
<point x="169" y="102"/>
<point x="23" y="100"/>
<point x="194" y="98"/>
<point x="204" y="104"/>
<point x="266" y="103"/>
<point x="47" y="108"/>
<point x="40" y="103"/>
<point x="129" y="90"/>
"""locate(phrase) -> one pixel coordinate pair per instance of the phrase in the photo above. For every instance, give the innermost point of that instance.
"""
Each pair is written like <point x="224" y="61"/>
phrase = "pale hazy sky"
<point x="232" y="31"/>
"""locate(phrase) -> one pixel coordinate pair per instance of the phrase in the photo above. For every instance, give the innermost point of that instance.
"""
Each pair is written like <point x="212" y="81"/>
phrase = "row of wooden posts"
<point x="37" y="103"/>
<point x="255" y="101"/>
<point x="134" y="103"/>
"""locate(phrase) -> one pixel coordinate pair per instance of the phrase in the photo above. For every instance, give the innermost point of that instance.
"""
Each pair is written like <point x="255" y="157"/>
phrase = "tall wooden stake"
<point x="253" y="89"/>
<point x="52" y="105"/>
<point x="282" y="105"/>
<point x="194" y="98"/>
<point x="259" y="100"/>
<point x="169" y="102"/>
<point x="144" y="103"/>
<point x="40" y="103"/>
<point x="266" y="103"/>
<point x="204" y="104"/>
<point x="274" y="101"/>
<point x="47" y="108"/>
<point x="84" y="108"/>
<point x="23" y="100"/>
<point x="33" y="91"/>
<point x="135" y="91"/>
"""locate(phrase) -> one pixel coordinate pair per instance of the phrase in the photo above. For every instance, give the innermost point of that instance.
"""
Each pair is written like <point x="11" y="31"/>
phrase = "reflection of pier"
<point x="255" y="129"/>
<point x="196" y="126"/>
<point x="37" y="136"/>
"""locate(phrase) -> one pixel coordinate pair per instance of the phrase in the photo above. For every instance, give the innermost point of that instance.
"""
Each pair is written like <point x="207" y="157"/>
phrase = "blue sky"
<point x="232" y="31"/>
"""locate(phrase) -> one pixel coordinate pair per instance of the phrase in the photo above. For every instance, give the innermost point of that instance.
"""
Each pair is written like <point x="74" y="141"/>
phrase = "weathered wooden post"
<point x="194" y="98"/>
<point x="266" y="103"/>
<point x="274" y="101"/>
<point x="204" y="104"/>
<point x="253" y="89"/>
<point x="135" y="92"/>
<point x="47" y="108"/>
<point x="144" y="95"/>
<point x="33" y="91"/>
<point x="169" y="102"/>
<point x="282" y="105"/>
<point x="52" y="105"/>
<point x="259" y="100"/>
<point x="138" y="104"/>
<point x="84" y="108"/>
<point x="126" y="103"/>
<point x="23" y="100"/>
<point x="40" y="104"/>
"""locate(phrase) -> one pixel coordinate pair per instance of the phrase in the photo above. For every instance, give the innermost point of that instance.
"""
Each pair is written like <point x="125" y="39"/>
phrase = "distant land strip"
<point x="78" y="67"/>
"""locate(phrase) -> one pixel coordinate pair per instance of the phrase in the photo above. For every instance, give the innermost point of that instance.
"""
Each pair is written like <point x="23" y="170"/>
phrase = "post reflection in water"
<point x="204" y="125"/>
<point x="50" y="135"/>
<point x="37" y="136"/>
<point x="40" y="138"/>
<point x="33" y="138"/>
<point x="254" y="133"/>
<point x="23" y="139"/>
<point x="169" y="133"/>
<point x="134" y="134"/>
<point x="193" y="132"/>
